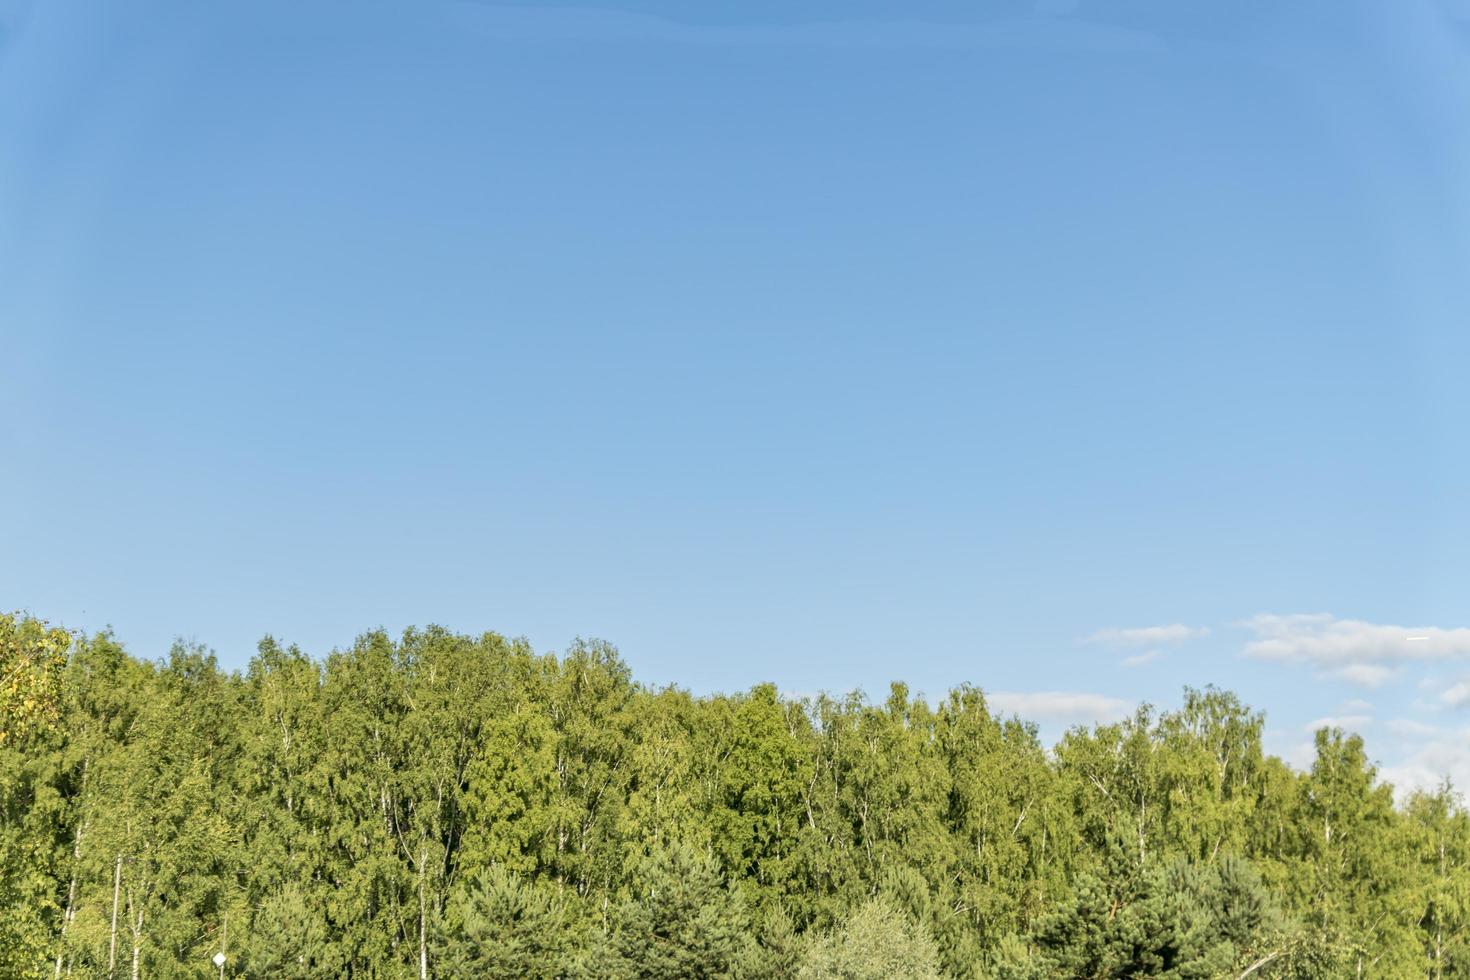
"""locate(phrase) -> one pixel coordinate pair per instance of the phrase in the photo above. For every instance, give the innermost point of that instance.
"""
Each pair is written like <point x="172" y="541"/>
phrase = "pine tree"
<point x="498" y="924"/>
<point x="286" y="939"/>
<point x="683" y="922"/>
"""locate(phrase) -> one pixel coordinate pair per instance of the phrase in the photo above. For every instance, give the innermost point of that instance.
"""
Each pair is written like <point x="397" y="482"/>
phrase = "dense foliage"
<point x="448" y="806"/>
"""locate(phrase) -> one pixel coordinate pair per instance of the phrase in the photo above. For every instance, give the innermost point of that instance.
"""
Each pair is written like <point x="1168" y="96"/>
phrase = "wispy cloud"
<point x="1352" y="715"/>
<point x="1364" y="675"/>
<point x="1345" y="722"/>
<point x="1457" y="695"/>
<point x="1300" y="755"/>
<point x="1409" y="728"/>
<point x="1142" y="659"/>
<point x="1143" y="636"/>
<point x="1445" y="755"/>
<point x="1064" y="707"/>
<point x="1367" y="654"/>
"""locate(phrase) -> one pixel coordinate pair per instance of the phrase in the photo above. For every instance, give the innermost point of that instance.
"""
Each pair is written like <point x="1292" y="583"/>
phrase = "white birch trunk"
<point x="423" y="931"/>
<point x="112" y="943"/>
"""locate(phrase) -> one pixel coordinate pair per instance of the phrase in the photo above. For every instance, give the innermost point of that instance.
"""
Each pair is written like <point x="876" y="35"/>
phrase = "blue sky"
<point x="1078" y="350"/>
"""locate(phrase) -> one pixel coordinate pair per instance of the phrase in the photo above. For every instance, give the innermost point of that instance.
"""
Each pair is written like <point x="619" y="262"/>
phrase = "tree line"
<point x="442" y="805"/>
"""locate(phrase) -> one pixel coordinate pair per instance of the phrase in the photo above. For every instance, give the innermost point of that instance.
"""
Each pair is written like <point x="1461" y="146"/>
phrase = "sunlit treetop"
<point x="32" y="654"/>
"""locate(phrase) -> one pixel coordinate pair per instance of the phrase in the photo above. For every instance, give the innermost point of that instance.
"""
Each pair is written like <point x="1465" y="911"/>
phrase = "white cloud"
<point x="1429" y="764"/>
<point x="1409" y="728"/>
<point x="1325" y="641"/>
<point x="1301" y="755"/>
<point x="1362" y="653"/>
<point x="1142" y="636"/>
<point x="1364" y="675"/>
<point x="1345" y="722"/>
<point x="1456" y="695"/>
<point x="1357" y="706"/>
<point x="1425" y="756"/>
<point x="1059" y="706"/>
<point x="1140" y="659"/>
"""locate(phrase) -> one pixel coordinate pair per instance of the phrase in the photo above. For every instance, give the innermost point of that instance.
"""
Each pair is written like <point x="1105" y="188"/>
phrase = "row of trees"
<point x="440" y="805"/>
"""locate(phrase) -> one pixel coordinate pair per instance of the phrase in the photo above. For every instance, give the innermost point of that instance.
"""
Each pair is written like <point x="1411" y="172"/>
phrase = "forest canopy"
<point x="444" y="805"/>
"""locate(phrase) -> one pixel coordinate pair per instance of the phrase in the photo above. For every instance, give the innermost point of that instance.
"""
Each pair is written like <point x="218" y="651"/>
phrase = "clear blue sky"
<point x="823" y="343"/>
